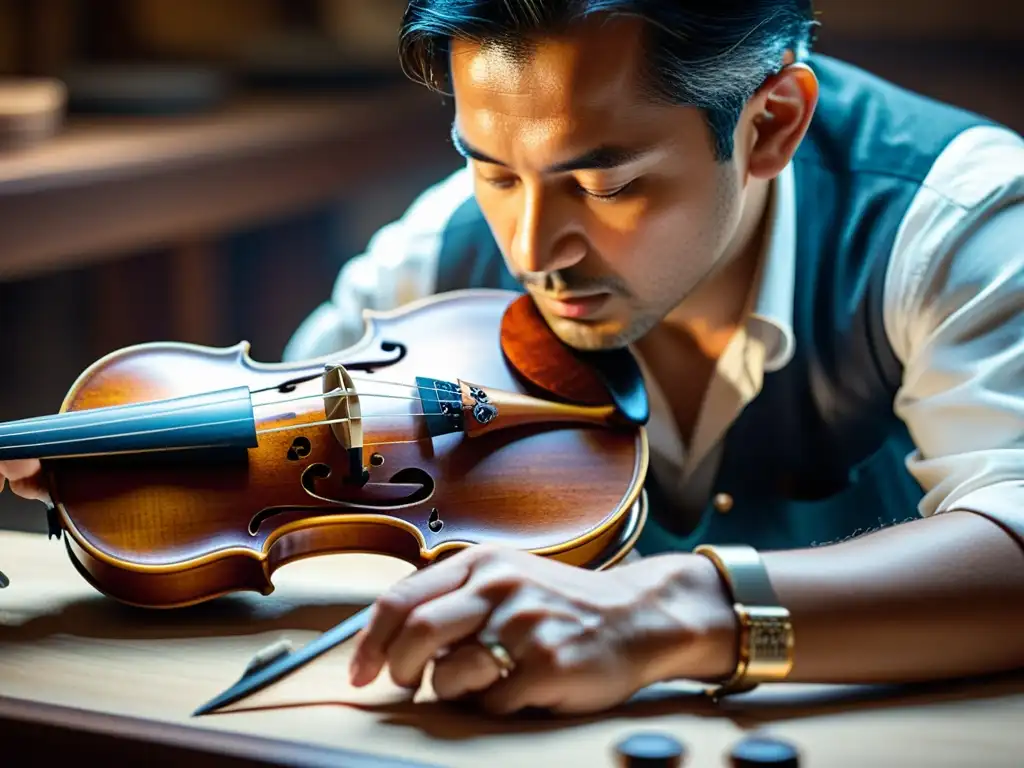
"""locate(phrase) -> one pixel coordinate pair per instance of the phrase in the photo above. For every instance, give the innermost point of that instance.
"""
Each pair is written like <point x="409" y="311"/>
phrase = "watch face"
<point x="770" y="634"/>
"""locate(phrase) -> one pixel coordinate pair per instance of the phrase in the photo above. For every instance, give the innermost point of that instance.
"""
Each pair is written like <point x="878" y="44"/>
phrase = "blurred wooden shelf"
<point x="110" y="185"/>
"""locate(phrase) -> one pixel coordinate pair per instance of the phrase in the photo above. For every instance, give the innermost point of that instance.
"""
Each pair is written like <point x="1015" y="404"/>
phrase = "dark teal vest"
<point x="819" y="455"/>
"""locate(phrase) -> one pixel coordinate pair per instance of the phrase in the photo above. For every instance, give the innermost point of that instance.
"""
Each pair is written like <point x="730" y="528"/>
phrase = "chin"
<point x="591" y="336"/>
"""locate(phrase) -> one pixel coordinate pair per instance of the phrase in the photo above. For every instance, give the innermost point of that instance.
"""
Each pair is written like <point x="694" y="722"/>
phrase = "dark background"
<point x="107" y="238"/>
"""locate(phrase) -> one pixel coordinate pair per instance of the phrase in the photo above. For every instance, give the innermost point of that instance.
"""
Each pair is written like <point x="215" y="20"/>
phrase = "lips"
<point x="577" y="307"/>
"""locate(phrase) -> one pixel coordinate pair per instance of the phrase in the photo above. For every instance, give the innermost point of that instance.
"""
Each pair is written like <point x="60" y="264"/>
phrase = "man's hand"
<point x="580" y="641"/>
<point x="26" y="479"/>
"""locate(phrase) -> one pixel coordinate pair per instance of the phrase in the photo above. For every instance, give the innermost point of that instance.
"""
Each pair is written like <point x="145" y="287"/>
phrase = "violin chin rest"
<point x="621" y="375"/>
<point x="544" y="362"/>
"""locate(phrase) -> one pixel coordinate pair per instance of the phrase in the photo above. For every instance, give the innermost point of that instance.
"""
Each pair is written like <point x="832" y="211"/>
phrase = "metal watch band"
<point x="766" y="631"/>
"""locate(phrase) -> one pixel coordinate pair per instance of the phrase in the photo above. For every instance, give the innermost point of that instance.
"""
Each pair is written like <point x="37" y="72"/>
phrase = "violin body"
<point x="358" y="451"/>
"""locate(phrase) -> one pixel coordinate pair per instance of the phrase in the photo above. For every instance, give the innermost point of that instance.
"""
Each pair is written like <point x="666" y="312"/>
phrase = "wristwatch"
<point x="766" y="631"/>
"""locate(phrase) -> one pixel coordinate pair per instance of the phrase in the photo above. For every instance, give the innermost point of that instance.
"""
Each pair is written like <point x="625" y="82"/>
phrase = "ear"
<point x="782" y="110"/>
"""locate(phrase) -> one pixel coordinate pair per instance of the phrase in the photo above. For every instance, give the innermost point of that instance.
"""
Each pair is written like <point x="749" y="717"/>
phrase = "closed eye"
<point x="498" y="182"/>
<point x="607" y="195"/>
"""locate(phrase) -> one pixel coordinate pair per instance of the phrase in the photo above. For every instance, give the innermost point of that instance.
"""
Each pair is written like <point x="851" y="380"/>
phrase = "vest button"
<point x="722" y="503"/>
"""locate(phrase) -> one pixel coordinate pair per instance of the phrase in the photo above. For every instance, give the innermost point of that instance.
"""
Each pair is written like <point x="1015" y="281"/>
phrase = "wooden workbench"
<point x="63" y="645"/>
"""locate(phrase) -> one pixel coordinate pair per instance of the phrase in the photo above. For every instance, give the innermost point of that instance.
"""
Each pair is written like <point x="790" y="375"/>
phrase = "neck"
<point x="682" y="351"/>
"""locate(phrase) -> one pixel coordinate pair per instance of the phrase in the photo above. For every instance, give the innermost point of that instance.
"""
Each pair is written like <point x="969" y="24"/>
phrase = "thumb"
<point x="30" y="489"/>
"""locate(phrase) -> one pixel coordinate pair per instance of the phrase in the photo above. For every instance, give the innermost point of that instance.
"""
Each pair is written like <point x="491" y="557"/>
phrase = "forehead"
<point x="588" y="73"/>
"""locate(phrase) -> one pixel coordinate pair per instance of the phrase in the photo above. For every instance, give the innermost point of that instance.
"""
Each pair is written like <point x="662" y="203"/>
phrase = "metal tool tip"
<point x="210" y="706"/>
<point x="221" y="700"/>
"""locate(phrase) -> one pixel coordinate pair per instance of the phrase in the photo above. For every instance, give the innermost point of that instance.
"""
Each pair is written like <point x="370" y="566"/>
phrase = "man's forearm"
<point x="934" y="598"/>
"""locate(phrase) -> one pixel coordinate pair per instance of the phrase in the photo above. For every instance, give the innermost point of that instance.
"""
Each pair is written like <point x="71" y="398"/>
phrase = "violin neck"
<point x="209" y="420"/>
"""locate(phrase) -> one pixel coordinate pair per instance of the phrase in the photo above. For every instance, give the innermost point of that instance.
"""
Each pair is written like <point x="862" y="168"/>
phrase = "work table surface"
<point x="63" y="644"/>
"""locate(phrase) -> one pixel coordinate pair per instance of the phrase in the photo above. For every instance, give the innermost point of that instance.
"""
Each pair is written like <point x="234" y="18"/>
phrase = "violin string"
<point x="383" y="381"/>
<point x="118" y="436"/>
<point x="185" y="406"/>
<point x="342" y="420"/>
<point x="300" y="425"/>
<point x="332" y="393"/>
<point x="58" y="427"/>
<point x="370" y="379"/>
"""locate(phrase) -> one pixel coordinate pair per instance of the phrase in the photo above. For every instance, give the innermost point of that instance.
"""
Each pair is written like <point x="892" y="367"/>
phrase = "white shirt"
<point x="953" y="313"/>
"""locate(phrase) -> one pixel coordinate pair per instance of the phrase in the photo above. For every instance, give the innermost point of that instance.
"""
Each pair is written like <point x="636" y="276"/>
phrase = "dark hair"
<point x="711" y="54"/>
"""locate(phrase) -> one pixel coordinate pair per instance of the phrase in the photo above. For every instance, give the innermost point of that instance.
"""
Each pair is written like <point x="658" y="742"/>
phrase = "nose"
<point x="548" y="235"/>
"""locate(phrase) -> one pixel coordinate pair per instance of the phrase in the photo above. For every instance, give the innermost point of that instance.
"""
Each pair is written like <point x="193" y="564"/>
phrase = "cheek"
<point x="499" y="213"/>
<point x="664" y="245"/>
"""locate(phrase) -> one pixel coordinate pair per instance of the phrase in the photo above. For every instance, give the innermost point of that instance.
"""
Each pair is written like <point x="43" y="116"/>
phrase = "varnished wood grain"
<point x="164" y="530"/>
<point x="61" y="644"/>
<point x="557" y="373"/>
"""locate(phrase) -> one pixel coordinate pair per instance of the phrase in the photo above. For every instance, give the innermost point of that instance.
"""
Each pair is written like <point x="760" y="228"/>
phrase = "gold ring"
<point x="506" y="666"/>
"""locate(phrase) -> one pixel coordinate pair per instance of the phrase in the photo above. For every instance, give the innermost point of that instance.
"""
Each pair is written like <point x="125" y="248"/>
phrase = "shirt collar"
<point x="771" y="319"/>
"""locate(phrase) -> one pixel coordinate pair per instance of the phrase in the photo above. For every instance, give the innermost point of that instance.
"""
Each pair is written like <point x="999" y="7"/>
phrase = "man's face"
<point x="609" y="207"/>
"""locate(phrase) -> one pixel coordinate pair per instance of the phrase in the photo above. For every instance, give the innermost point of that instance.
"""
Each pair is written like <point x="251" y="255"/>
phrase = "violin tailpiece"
<point x="475" y="410"/>
<point x="442" y="406"/>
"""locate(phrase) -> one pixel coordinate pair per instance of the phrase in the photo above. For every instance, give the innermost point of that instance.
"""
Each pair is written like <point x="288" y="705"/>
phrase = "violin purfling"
<point x="180" y="473"/>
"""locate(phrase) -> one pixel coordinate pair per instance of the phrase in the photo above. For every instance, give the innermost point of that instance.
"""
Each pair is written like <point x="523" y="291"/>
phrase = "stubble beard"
<point x="598" y="337"/>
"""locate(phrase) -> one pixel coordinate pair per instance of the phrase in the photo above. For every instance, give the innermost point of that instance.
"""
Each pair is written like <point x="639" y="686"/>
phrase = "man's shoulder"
<point x="398" y="265"/>
<point x="867" y="125"/>
<point x="433" y="210"/>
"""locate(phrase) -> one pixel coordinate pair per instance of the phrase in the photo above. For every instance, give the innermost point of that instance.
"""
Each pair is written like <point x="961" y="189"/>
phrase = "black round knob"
<point x="650" y="749"/>
<point x="764" y="750"/>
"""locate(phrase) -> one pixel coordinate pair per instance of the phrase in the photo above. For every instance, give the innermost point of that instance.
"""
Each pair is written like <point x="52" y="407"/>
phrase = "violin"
<point x="179" y="473"/>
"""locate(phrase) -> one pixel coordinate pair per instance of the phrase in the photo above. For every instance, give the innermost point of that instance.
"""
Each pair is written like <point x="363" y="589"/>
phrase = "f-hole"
<point x="407" y="487"/>
<point x="312" y="474"/>
<point x="434" y="522"/>
<point x="299" y="449"/>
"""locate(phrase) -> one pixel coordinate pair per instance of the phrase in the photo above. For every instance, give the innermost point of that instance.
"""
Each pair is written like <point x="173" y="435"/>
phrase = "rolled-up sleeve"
<point x="398" y="265"/>
<point x="954" y="309"/>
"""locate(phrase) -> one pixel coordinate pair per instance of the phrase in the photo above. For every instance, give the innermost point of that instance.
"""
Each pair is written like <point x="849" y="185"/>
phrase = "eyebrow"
<point x="601" y="158"/>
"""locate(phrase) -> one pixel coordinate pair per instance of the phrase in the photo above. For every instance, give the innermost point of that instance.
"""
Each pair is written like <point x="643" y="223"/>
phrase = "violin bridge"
<point x="341" y="407"/>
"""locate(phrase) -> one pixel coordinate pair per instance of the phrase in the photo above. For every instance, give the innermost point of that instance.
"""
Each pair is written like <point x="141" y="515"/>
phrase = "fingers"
<point x="29" y="489"/>
<point x="439" y="614"/>
<point x="432" y="627"/>
<point x="528" y="686"/>
<point x="19" y="469"/>
<point x="392" y="610"/>
<point x="468" y="669"/>
<point x="23" y="475"/>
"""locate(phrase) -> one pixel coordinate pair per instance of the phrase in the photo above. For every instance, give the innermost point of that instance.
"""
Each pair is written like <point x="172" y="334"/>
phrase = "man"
<point x="823" y="277"/>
